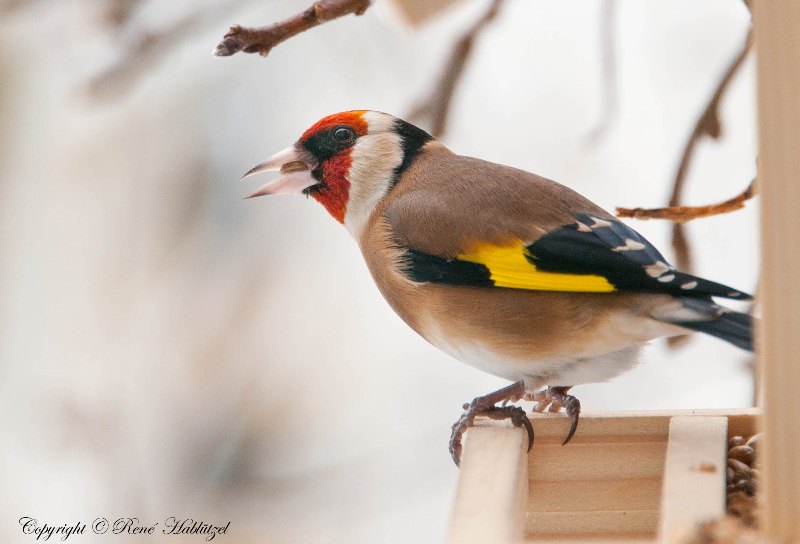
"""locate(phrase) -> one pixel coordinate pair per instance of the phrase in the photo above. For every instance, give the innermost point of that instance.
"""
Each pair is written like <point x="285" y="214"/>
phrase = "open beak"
<point x="295" y="167"/>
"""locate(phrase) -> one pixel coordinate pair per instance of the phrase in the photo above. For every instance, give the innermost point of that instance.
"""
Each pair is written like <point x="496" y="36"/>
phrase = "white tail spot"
<point x="689" y="285"/>
<point x="667" y="278"/>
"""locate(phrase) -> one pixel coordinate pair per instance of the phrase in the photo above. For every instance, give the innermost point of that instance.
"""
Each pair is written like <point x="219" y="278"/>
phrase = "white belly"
<point x="537" y="373"/>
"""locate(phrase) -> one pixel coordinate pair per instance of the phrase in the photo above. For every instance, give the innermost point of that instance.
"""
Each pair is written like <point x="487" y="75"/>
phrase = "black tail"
<point x="705" y="316"/>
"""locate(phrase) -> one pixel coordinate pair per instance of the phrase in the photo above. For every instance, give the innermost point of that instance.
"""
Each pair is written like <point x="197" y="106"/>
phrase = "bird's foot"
<point x="557" y="398"/>
<point x="485" y="406"/>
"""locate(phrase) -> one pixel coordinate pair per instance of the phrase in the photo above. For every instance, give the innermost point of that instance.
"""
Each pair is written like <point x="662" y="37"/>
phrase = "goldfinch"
<point x="505" y="270"/>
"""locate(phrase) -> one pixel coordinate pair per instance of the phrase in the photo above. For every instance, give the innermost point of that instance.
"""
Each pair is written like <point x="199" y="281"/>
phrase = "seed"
<point x="293" y="166"/>
<point x="746" y="486"/>
<point x="739" y="467"/>
<point x="754" y="440"/>
<point x="745" y="454"/>
<point x="740" y="477"/>
<point x="742" y="474"/>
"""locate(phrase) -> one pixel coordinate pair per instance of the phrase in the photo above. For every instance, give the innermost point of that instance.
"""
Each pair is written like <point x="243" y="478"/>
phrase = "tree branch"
<point x="10" y="6"/>
<point x="682" y="214"/>
<point x="436" y="106"/>
<point x="118" y="12"/>
<point x="261" y="40"/>
<point x="145" y="50"/>
<point x="708" y="124"/>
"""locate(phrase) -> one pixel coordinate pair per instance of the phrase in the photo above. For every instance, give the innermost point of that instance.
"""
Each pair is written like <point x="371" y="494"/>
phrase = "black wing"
<point x="591" y="247"/>
<point x="610" y="248"/>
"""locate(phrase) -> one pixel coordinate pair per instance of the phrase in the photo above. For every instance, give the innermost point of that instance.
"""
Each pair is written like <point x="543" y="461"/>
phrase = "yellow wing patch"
<point x="509" y="267"/>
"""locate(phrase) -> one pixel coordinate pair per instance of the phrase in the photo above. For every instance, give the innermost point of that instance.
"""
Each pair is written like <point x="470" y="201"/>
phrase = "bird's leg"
<point x="485" y="406"/>
<point x="557" y="398"/>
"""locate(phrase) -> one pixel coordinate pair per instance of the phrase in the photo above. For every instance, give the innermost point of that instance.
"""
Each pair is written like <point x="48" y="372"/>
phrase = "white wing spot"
<point x="630" y="245"/>
<point x="583" y="228"/>
<point x="734" y="294"/>
<point x="667" y="278"/>
<point x="656" y="269"/>
<point x="689" y="285"/>
<point x="599" y="222"/>
<point x="634" y="245"/>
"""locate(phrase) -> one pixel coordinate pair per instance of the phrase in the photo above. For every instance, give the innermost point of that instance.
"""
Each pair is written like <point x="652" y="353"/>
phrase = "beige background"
<point x="167" y="348"/>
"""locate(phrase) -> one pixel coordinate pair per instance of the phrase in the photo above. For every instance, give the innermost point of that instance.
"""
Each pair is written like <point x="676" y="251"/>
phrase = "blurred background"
<point x="170" y="349"/>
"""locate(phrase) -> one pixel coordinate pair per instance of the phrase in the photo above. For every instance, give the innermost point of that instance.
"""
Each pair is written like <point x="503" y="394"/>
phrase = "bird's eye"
<point x="343" y="135"/>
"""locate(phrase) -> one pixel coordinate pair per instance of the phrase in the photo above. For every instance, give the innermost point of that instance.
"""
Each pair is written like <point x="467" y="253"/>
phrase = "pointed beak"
<point x="295" y="167"/>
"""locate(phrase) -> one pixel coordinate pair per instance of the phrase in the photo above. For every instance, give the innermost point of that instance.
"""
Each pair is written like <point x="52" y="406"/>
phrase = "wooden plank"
<point x="592" y="539"/>
<point x="745" y="425"/>
<point x="776" y="24"/>
<point x="605" y="485"/>
<point x="492" y="492"/>
<point x="551" y="429"/>
<point x="591" y="524"/>
<point x="598" y="495"/>
<point x="602" y="426"/>
<point x="694" y="475"/>
<point x="596" y="461"/>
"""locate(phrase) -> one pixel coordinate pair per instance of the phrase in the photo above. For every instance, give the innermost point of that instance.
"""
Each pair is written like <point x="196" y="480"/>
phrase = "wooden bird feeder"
<point x="625" y="477"/>
<point x="645" y="477"/>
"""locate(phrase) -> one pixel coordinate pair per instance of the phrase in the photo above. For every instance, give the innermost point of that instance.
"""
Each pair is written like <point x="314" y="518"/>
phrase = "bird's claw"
<point x="485" y="406"/>
<point x="553" y="399"/>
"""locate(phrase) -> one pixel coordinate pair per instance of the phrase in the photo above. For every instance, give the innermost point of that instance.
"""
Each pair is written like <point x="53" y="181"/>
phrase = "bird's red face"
<point x="330" y="141"/>
<point x="347" y="162"/>
<point x="319" y="163"/>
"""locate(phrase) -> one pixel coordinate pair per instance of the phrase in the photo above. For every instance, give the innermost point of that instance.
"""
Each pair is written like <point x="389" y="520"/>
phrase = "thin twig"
<point x="436" y="106"/>
<point x="682" y="214"/>
<point x="10" y="6"/>
<point x="261" y="40"/>
<point x="608" y="46"/>
<point x="146" y="48"/>
<point x="118" y="12"/>
<point x="708" y="124"/>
